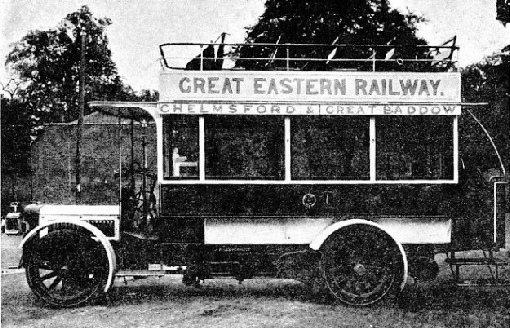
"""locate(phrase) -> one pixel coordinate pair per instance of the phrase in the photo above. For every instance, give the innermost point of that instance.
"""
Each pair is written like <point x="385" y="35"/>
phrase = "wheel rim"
<point x="360" y="264"/>
<point x="66" y="268"/>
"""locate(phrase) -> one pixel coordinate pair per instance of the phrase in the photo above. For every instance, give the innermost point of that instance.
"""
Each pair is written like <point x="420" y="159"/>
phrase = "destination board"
<point x="274" y="86"/>
<point x="232" y="108"/>
<point x="309" y="93"/>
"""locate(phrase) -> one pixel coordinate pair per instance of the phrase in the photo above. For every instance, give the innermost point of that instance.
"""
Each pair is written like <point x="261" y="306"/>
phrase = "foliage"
<point x="503" y="11"/>
<point x="487" y="81"/>
<point x="348" y="22"/>
<point x="17" y="127"/>
<point x="49" y="61"/>
<point x="45" y="84"/>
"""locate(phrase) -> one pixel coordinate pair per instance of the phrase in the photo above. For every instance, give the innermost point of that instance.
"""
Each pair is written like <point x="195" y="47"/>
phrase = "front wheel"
<point x="66" y="268"/>
<point x="361" y="264"/>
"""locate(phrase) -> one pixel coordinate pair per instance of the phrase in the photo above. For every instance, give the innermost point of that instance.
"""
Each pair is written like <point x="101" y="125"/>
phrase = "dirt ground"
<point x="166" y="302"/>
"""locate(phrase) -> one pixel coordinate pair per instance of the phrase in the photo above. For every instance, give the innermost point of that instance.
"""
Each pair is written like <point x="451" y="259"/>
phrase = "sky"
<point x="139" y="27"/>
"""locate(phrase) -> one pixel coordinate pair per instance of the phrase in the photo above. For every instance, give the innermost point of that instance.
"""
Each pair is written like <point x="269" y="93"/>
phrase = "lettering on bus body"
<point x="232" y="108"/>
<point x="302" y="86"/>
<point x="309" y="87"/>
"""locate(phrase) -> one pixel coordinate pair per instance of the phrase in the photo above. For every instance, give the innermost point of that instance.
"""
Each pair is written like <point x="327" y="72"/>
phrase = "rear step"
<point x="488" y="260"/>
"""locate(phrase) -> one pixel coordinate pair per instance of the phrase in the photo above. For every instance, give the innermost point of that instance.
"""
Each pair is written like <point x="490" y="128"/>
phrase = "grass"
<point x="257" y="303"/>
<point x="166" y="302"/>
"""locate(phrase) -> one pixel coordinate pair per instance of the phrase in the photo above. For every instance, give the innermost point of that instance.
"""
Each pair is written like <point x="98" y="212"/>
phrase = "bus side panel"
<point x="276" y="200"/>
<point x="184" y="208"/>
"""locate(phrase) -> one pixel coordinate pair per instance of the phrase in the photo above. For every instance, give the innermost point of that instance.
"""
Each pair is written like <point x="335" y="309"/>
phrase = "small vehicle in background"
<point x="12" y="223"/>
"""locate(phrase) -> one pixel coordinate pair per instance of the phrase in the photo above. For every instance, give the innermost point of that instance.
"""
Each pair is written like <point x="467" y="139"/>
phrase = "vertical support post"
<point x="507" y="231"/>
<point x="119" y="140"/>
<point x="287" y="158"/>
<point x="144" y="221"/>
<point x="288" y="58"/>
<point x="201" y="146"/>
<point x="132" y="164"/>
<point x="81" y="105"/>
<point x="163" y="165"/>
<point x="201" y="57"/>
<point x="32" y="171"/>
<point x="372" y="154"/>
<point x="455" y="149"/>
<point x="144" y="174"/>
<point x="495" y="212"/>
<point x="373" y="60"/>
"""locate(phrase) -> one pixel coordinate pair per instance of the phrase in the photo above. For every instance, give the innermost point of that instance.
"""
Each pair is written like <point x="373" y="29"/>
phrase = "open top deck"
<point x="306" y="114"/>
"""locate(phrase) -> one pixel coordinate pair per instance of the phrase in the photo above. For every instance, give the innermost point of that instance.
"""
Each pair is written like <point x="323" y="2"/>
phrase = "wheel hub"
<point x="360" y="269"/>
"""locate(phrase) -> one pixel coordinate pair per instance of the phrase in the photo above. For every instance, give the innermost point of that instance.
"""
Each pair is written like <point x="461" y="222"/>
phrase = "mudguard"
<point x="110" y="253"/>
<point x="324" y="234"/>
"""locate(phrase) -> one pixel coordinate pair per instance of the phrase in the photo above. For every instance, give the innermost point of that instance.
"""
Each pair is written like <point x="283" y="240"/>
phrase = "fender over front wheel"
<point x="66" y="268"/>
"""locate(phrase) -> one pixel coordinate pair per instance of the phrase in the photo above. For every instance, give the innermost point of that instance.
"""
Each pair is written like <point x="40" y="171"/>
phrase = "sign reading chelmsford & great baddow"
<point x="309" y="93"/>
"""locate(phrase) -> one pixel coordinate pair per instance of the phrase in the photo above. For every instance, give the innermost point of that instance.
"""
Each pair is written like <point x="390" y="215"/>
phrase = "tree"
<point x="488" y="81"/>
<point x="148" y="95"/>
<point x="350" y="22"/>
<point x="17" y="125"/>
<point x="49" y="63"/>
<point x="503" y="11"/>
<point x="44" y="88"/>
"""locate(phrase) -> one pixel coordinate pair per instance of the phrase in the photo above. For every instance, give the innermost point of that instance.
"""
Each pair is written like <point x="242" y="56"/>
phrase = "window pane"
<point x="414" y="147"/>
<point x="244" y="147"/>
<point x="330" y="147"/>
<point x="180" y="146"/>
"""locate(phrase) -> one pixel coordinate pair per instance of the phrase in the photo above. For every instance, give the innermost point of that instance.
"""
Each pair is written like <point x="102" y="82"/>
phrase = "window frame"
<point x="348" y="129"/>
<point x="287" y="179"/>
<point x="452" y="151"/>
<point x="166" y="165"/>
<point x="277" y="141"/>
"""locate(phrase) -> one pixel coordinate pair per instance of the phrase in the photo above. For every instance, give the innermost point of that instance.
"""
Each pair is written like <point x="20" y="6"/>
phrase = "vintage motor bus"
<point x="347" y="178"/>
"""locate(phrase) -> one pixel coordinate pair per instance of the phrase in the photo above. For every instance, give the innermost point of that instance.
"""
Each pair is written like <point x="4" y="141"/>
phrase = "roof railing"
<point x="286" y="56"/>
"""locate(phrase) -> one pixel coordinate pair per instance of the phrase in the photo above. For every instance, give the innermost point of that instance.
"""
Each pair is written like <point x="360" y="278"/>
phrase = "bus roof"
<point x="282" y="83"/>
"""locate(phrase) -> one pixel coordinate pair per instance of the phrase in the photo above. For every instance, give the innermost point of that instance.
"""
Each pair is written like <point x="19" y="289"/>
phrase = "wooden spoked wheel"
<point x="361" y="264"/>
<point x="66" y="268"/>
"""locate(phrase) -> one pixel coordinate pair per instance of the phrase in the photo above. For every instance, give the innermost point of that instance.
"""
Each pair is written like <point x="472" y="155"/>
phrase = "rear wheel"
<point x="66" y="268"/>
<point x="361" y="264"/>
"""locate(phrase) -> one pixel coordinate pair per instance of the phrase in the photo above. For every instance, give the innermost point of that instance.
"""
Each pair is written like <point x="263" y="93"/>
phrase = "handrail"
<point x="331" y="60"/>
<point x="503" y="171"/>
<point x="282" y="45"/>
<point x="285" y="56"/>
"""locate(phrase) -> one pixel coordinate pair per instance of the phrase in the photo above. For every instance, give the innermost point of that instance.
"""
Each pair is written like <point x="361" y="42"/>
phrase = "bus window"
<point x="180" y="146"/>
<point x="330" y="147"/>
<point x="414" y="147"/>
<point x="244" y="147"/>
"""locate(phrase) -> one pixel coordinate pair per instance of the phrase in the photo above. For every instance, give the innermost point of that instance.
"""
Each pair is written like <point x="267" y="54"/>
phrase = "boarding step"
<point x="487" y="259"/>
<point x="153" y="270"/>
<point x="477" y="261"/>
<point x="484" y="283"/>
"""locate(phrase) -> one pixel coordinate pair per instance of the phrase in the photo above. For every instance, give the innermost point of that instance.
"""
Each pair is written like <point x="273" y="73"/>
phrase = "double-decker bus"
<point x="351" y="179"/>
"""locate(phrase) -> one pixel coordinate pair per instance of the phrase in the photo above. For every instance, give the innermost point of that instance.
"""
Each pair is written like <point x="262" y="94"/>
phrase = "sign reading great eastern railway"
<point x="309" y="93"/>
